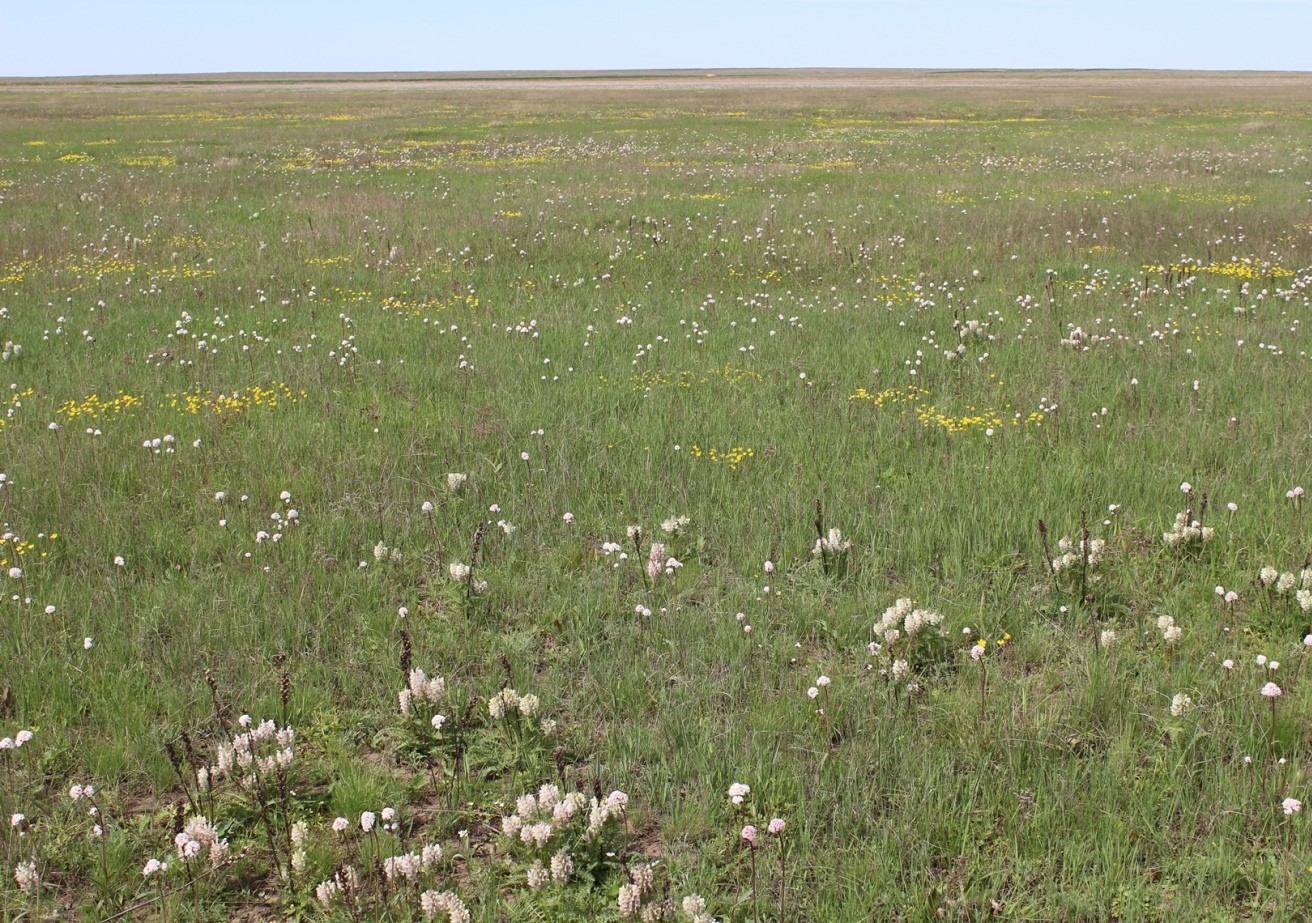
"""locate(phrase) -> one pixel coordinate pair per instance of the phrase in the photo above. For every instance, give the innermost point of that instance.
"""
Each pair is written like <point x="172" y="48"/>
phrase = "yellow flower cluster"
<point x="910" y="394"/>
<point x="148" y="160"/>
<point x="729" y="375"/>
<point x="240" y="401"/>
<point x="1247" y="269"/>
<point x="732" y="457"/>
<point x="931" y="417"/>
<point x="15" y="273"/>
<point x="1215" y="198"/>
<point x="13" y="548"/>
<point x="15" y="400"/>
<point x="95" y="408"/>
<point x="418" y="307"/>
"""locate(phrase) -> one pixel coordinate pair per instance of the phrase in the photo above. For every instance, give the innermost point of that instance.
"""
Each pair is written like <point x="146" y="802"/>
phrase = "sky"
<point x="105" y="37"/>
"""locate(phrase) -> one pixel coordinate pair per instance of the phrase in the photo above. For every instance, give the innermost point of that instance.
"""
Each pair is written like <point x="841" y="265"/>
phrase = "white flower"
<point x="1272" y="691"/>
<point x="1107" y="637"/>
<point x="1181" y="705"/>
<point x="459" y="571"/>
<point x="1291" y="806"/>
<point x="629" y="899"/>
<point x="675" y="525"/>
<point x="738" y="792"/>
<point x="367" y="821"/>
<point x="833" y="543"/>
<point x="562" y="866"/>
<point x="456" y="480"/>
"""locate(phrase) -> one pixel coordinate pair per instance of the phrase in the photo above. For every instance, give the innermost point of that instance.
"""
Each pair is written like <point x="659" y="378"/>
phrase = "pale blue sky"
<point x="78" y="37"/>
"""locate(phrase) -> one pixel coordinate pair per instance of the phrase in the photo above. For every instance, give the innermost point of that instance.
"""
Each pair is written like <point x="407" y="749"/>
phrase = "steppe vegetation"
<point x="493" y="503"/>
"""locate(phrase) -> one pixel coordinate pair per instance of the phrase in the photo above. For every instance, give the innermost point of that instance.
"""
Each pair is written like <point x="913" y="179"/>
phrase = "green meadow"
<point x="748" y="498"/>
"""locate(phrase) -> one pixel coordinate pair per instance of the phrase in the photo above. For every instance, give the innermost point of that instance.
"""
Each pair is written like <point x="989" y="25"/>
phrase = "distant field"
<point x="759" y="496"/>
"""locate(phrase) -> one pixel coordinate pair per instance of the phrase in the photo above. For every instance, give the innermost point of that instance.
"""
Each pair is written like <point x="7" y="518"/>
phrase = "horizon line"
<point x="240" y="76"/>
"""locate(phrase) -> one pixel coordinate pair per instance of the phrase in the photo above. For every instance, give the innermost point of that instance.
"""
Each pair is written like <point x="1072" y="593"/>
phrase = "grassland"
<point x="555" y="389"/>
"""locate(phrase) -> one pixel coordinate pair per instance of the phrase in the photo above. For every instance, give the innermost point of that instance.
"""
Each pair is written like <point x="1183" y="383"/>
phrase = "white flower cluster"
<point x="1171" y="632"/>
<point x="26" y="875"/>
<point x="198" y="836"/>
<point x="1187" y="532"/>
<point x="344" y="881"/>
<point x="675" y="525"/>
<point x="1070" y="552"/>
<point x="694" y="908"/>
<point x="971" y="329"/>
<point x="160" y="444"/>
<point x="833" y="543"/>
<point x="408" y="865"/>
<point x="281" y="520"/>
<point x="658" y="562"/>
<point x="508" y="701"/>
<point x="632" y="893"/>
<point x="16" y="742"/>
<point x="541" y="816"/>
<point x="262" y="748"/>
<point x="1181" y="705"/>
<point x="739" y="791"/>
<point x="422" y="688"/>
<point x="904" y="618"/>
<point x="433" y="903"/>
<point x="460" y="573"/>
<point x="383" y="554"/>
<point x="1281" y="584"/>
<point x="456" y="480"/>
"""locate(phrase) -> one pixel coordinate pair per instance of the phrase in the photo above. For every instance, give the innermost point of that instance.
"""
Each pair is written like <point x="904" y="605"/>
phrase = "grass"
<point x="929" y="318"/>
